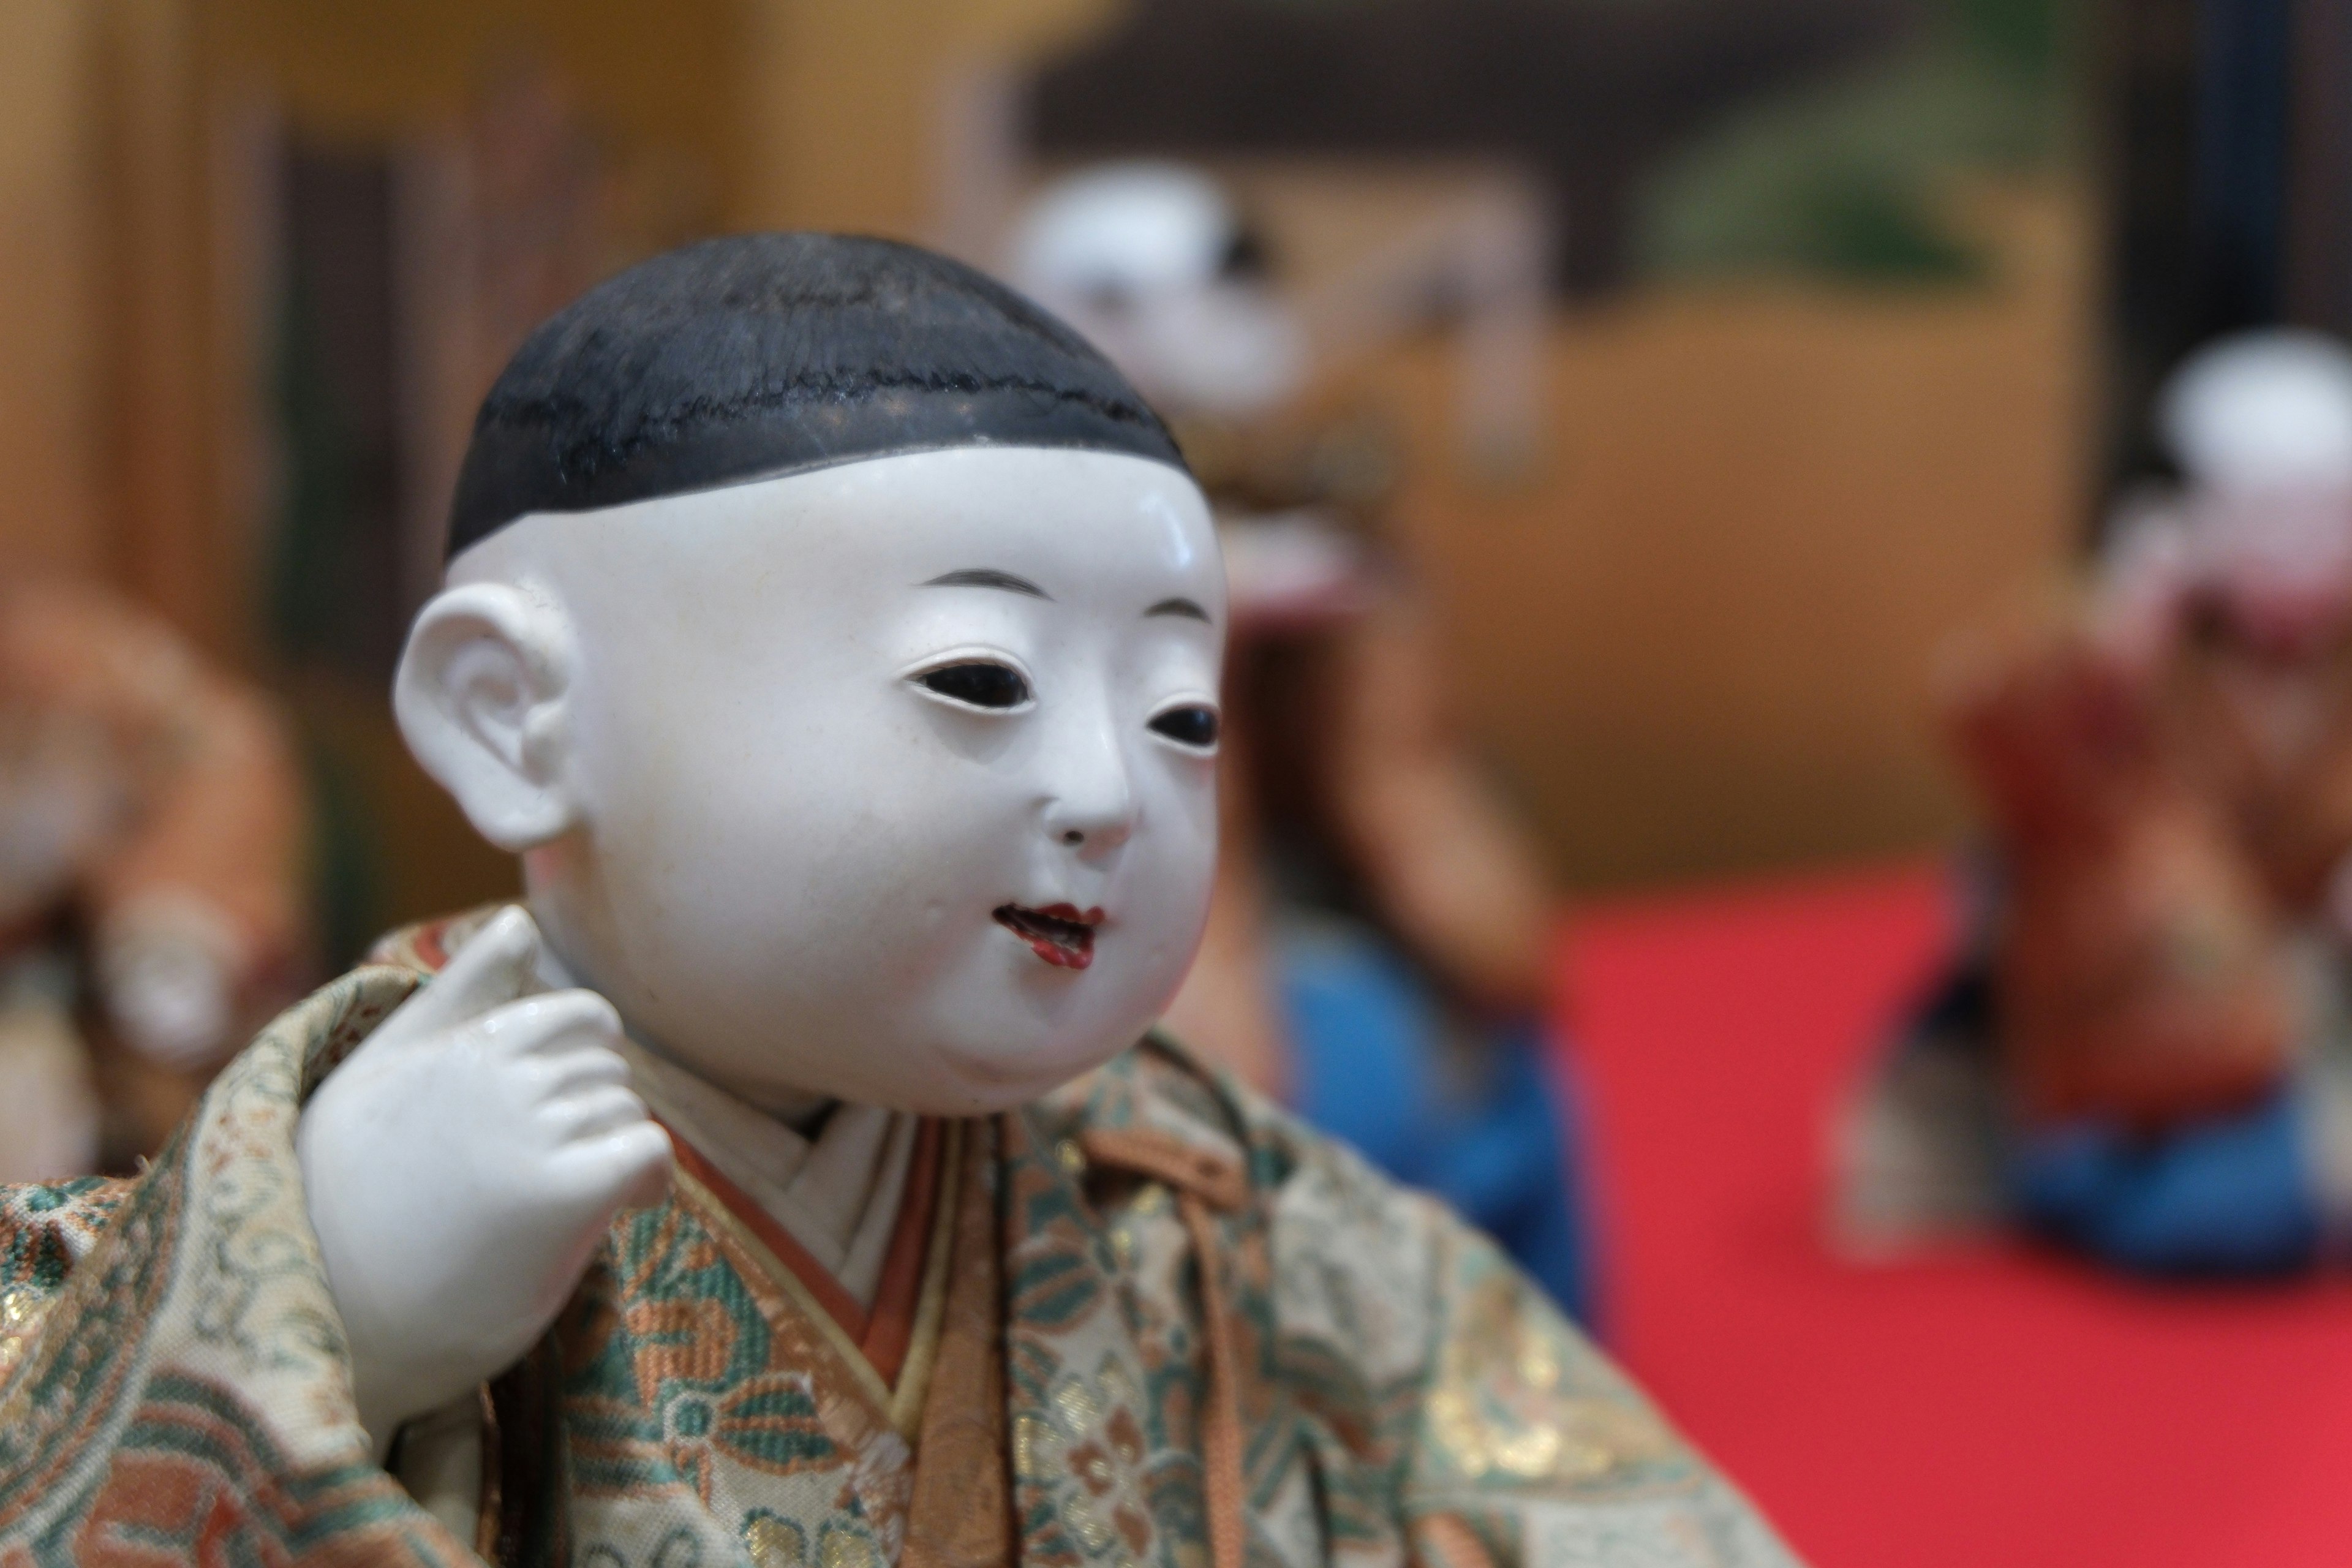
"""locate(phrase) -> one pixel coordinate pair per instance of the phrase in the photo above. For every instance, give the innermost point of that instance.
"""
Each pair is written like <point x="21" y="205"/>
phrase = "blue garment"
<point x="1368" y="1036"/>
<point x="2222" y="1196"/>
<point x="2226" y="1195"/>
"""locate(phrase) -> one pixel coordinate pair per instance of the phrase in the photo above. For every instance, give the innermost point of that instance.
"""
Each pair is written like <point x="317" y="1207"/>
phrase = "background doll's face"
<point x="894" y="781"/>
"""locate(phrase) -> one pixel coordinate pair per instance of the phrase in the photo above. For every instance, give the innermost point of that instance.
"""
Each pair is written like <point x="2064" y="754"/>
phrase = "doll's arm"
<point x="1511" y="1439"/>
<point x="45" y="1230"/>
<point x="461" y="1168"/>
<point x="1454" y="873"/>
<point x="1533" y="1452"/>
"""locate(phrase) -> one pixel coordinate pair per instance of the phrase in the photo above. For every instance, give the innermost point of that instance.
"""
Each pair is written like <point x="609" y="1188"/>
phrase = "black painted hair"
<point x="760" y="354"/>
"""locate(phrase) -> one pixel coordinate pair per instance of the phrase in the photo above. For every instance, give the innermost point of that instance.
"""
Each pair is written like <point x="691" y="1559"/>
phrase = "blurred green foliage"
<point x="1849" y="180"/>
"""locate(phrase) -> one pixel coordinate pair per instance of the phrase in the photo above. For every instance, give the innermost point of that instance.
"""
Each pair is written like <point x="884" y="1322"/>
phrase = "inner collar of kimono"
<point x="832" y="1175"/>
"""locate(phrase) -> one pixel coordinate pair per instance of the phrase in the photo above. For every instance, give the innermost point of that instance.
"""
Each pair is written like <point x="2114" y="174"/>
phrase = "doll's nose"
<point x="1091" y="826"/>
<point x="1095" y="809"/>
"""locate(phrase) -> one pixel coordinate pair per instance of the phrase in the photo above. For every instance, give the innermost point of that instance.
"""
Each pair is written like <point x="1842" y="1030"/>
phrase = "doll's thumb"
<point x="498" y="966"/>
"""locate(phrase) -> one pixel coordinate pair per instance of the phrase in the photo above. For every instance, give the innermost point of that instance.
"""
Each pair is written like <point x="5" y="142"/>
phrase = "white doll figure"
<point x="795" y="1179"/>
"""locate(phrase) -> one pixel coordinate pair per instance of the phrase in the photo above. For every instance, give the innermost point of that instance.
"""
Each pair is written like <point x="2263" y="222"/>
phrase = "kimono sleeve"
<point x="1531" y="1450"/>
<point x="45" y="1230"/>
<point x="176" y="1386"/>
<point x="1490" y="1432"/>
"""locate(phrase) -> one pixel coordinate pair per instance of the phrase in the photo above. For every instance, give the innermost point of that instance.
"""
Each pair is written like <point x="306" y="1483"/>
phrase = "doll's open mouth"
<point x="1061" y="935"/>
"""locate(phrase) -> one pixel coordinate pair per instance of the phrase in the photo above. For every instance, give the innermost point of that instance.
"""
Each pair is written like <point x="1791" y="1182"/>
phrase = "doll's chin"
<point x="980" y="1082"/>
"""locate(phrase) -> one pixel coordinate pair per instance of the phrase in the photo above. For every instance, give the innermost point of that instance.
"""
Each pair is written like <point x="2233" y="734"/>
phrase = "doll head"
<point x="836" y="638"/>
<point x="1153" y="263"/>
<point x="2262" y="411"/>
<point x="2261" y="425"/>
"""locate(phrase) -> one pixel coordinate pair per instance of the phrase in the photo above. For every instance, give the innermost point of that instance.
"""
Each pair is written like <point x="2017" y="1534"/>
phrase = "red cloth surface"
<point x="1998" y="1405"/>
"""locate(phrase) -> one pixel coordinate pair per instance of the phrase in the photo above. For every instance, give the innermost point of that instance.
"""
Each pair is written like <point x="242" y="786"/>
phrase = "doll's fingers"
<point x="627" y="1166"/>
<point x="555" y="1023"/>
<point x="493" y="969"/>
<point x="651" y="1162"/>
<point x="591" y="1113"/>
<point x="582" y="1067"/>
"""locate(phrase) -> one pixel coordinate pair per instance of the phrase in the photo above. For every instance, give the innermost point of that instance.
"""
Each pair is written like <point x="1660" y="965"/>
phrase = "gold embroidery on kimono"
<point x="1356" y="1380"/>
<point x="718" y="1371"/>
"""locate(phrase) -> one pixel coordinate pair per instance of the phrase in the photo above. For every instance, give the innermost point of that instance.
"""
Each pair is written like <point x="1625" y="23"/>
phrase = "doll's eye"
<point x="1195" y="727"/>
<point x="978" y="683"/>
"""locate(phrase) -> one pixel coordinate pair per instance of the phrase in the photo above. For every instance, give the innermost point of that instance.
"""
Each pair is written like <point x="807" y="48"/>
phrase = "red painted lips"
<point x="1061" y="935"/>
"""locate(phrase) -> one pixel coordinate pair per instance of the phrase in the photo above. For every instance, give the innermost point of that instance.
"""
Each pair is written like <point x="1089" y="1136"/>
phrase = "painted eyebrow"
<point x="988" y="577"/>
<point x="1185" y="607"/>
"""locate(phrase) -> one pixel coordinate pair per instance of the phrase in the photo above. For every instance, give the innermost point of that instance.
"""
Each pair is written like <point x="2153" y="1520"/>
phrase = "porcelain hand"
<point x="461" y="1169"/>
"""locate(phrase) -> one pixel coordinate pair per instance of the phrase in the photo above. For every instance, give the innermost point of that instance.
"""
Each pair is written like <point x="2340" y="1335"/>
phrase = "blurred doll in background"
<point x="2149" y="1056"/>
<point x="151" y="848"/>
<point x="1376" y="950"/>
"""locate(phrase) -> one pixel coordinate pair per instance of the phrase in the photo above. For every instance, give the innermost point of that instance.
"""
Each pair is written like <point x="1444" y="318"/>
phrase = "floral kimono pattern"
<point x="1174" y="1328"/>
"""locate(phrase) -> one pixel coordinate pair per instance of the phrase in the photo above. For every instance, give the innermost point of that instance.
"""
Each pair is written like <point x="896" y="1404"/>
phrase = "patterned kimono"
<point x="1150" y="1321"/>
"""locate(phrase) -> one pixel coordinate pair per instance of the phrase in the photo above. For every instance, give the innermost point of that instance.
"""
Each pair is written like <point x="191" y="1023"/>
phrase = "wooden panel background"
<point x="1701" y="645"/>
<point x="1694" y="644"/>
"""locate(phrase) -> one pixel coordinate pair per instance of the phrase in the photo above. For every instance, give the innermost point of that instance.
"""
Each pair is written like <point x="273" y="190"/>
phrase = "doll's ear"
<point x="481" y="697"/>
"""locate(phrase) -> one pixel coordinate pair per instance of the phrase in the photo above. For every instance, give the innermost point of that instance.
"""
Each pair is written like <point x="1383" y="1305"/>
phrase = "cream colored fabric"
<point x="1419" y="1375"/>
<point x="831" y="1175"/>
<point x="439" y="1462"/>
<point x="837" y="1192"/>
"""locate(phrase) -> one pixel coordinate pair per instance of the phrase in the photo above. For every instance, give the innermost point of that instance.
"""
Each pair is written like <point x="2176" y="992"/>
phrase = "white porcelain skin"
<point x="461" y="1168"/>
<point x="745" y="826"/>
<point x="744" y="823"/>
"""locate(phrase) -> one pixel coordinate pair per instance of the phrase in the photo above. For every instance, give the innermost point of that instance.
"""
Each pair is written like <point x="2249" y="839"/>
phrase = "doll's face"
<point x="1150" y="262"/>
<point x="2279" y="564"/>
<point x="894" y="781"/>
